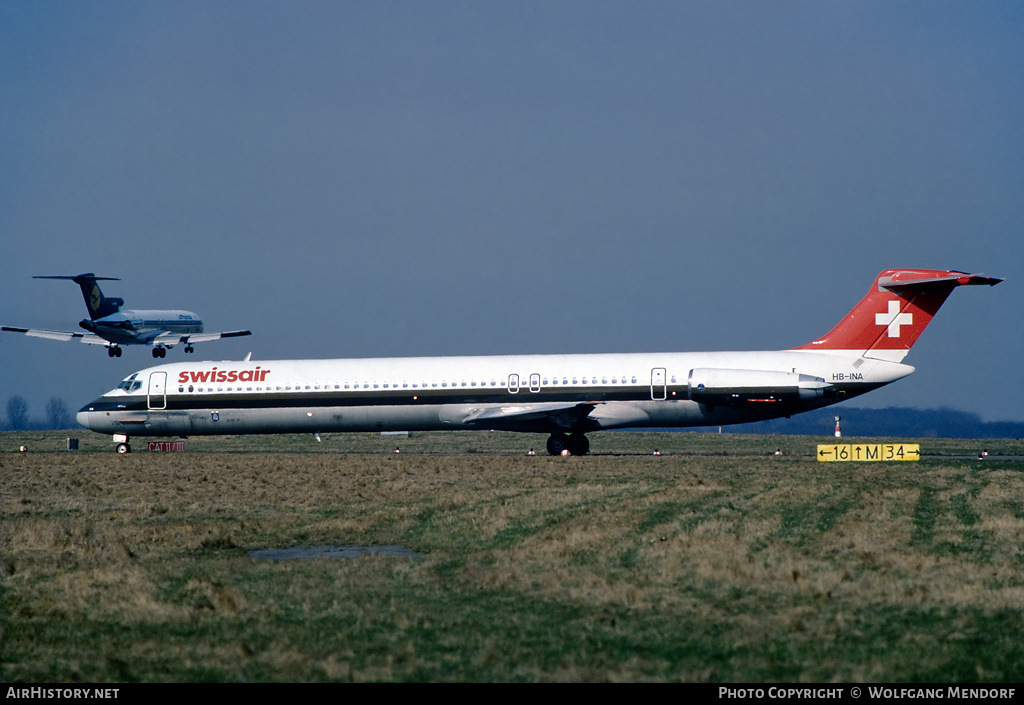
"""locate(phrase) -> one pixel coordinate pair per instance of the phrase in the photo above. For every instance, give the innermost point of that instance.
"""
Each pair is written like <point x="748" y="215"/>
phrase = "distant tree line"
<point x="58" y="416"/>
<point x="898" y="422"/>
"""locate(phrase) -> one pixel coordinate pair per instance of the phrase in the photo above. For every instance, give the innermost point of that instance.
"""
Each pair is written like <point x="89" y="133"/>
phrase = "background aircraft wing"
<point x="61" y="335"/>
<point x="48" y="334"/>
<point x="170" y="339"/>
<point x="91" y="339"/>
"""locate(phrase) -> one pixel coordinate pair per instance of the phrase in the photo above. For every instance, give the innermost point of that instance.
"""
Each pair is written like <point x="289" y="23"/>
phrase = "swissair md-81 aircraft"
<point x="565" y="396"/>
<point x="110" y="326"/>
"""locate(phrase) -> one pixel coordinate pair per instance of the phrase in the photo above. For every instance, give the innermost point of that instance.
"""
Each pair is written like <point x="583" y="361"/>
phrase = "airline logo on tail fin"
<point x="895" y="311"/>
<point x="93" y="297"/>
<point x="893" y="319"/>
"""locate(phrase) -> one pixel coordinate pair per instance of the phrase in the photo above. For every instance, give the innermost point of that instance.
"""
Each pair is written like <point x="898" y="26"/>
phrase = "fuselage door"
<point x="157" y="390"/>
<point x="535" y="382"/>
<point x="658" y="391"/>
<point x="513" y="384"/>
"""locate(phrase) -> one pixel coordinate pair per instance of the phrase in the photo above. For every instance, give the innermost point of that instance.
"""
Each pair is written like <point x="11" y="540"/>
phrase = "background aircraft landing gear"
<point x="114" y="351"/>
<point x="189" y="349"/>
<point x="159" y="351"/>
<point x="576" y="444"/>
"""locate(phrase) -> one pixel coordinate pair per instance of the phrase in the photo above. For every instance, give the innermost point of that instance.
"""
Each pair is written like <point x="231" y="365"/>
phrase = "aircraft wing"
<point x="64" y="336"/>
<point x="564" y="415"/>
<point x="171" y="339"/>
<point x="61" y="335"/>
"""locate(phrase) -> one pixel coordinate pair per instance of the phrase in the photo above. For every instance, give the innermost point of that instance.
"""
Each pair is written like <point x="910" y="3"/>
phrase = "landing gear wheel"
<point x="557" y="443"/>
<point x="160" y="352"/>
<point x="113" y="351"/>
<point x="189" y="349"/>
<point x="578" y="444"/>
<point x="123" y="448"/>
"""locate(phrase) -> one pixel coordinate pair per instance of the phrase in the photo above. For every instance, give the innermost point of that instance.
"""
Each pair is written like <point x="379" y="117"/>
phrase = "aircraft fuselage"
<point x="538" y="393"/>
<point x="133" y="327"/>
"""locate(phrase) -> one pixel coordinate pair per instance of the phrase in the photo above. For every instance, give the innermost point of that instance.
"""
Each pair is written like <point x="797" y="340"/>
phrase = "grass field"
<point x="715" y="561"/>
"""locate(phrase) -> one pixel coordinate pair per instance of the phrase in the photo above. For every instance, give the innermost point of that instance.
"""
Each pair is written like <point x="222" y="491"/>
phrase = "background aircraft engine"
<point x="744" y="387"/>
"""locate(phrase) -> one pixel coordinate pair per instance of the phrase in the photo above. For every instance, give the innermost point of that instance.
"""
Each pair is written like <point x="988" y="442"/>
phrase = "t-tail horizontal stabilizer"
<point x="99" y="305"/>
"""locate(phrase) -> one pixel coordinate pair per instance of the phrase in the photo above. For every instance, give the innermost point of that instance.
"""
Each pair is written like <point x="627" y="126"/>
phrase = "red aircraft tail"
<point x="895" y="312"/>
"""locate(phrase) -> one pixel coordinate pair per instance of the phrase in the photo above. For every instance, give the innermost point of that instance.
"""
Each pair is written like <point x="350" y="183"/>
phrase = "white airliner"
<point x="110" y="326"/>
<point x="565" y="396"/>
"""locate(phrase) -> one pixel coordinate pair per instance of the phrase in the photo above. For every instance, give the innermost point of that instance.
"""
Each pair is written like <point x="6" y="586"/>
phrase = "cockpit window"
<point x="130" y="385"/>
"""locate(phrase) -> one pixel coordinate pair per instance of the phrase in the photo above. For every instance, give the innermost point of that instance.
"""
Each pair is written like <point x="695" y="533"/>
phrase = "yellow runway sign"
<point x="867" y="452"/>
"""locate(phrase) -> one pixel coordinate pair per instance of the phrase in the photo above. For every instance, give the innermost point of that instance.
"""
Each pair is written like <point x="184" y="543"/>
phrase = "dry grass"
<point x="710" y="562"/>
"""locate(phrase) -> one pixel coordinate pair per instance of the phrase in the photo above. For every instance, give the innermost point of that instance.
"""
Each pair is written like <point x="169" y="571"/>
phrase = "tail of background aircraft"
<point x="99" y="305"/>
<point x="896" y="310"/>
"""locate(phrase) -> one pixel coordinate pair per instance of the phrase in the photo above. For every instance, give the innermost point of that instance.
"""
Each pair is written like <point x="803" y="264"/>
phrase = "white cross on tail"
<point x="894" y="319"/>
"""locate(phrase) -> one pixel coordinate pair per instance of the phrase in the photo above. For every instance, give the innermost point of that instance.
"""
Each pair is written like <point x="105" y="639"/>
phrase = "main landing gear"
<point x="113" y="351"/>
<point x="576" y="444"/>
<point x="159" y="351"/>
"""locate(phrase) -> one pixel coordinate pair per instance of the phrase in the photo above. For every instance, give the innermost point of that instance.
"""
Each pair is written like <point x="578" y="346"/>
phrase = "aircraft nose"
<point x="83" y="417"/>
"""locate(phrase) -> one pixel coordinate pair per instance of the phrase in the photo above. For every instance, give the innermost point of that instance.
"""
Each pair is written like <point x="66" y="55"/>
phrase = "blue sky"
<point x="352" y="179"/>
